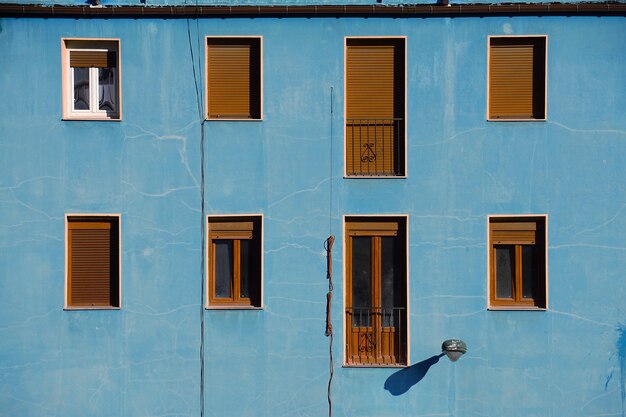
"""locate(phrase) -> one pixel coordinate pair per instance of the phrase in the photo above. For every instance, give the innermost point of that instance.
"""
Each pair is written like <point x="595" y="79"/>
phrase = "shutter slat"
<point x="87" y="59"/>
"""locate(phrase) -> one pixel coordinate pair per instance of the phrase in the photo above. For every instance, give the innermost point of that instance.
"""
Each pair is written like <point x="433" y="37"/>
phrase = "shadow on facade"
<point x="400" y="382"/>
<point x="621" y="350"/>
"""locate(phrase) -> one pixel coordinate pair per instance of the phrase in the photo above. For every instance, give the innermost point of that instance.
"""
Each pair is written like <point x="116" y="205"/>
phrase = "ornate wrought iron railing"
<point x="374" y="147"/>
<point x="376" y="336"/>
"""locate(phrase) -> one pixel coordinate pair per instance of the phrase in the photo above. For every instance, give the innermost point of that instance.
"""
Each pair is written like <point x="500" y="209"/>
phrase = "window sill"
<point x="372" y="365"/>
<point x="77" y="308"/>
<point x="235" y="307"/>
<point x="516" y="308"/>
<point x="516" y="120"/>
<point x="369" y="177"/>
<point x="232" y="119"/>
<point x="91" y="119"/>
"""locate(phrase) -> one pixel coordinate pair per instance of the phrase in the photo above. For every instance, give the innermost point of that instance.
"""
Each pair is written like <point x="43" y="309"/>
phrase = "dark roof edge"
<point x="416" y="10"/>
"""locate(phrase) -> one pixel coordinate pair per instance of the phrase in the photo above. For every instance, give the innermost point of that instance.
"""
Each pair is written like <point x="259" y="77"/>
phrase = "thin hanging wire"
<point x="330" y="168"/>
<point x="199" y="102"/>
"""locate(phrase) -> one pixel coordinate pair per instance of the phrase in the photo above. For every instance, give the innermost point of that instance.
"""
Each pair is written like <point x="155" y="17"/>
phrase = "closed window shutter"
<point x="370" y="81"/>
<point x="372" y="228"/>
<point x="234" y="78"/>
<point x="93" y="59"/>
<point x="231" y="230"/>
<point x="516" y="78"/>
<point x="374" y="98"/>
<point x="514" y="233"/>
<point x="92" y="263"/>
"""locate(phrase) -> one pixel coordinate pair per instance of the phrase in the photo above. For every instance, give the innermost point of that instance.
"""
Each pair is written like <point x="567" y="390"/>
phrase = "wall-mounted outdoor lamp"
<point x="453" y="348"/>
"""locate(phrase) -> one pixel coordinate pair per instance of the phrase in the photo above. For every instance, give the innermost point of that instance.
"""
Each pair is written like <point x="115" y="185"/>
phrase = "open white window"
<point x="91" y="79"/>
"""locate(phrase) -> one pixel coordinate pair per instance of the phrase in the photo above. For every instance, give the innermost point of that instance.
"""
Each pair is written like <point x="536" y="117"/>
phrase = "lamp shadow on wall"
<point x="400" y="382"/>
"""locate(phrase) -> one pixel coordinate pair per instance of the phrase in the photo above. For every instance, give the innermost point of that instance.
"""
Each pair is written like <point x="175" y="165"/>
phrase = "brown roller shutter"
<point x="93" y="263"/>
<point x="230" y="229"/>
<point x="517" y="78"/>
<point x="98" y="59"/>
<point x="374" y="106"/>
<point x="234" y="78"/>
<point x="513" y="233"/>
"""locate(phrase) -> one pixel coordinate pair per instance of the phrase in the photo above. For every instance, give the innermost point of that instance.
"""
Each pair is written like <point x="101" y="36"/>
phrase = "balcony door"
<point x="376" y="292"/>
<point x="375" y="107"/>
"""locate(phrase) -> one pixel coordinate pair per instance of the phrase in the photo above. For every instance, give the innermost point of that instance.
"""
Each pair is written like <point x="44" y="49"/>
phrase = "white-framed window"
<point x="91" y="79"/>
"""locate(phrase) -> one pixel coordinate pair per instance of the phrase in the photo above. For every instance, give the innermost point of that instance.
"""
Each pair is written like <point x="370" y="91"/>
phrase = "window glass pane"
<point x="81" y="88"/>
<point x="505" y="270"/>
<point x="361" y="280"/>
<point x="391" y="280"/>
<point x="246" y="267"/>
<point x="107" y="89"/>
<point x="528" y="271"/>
<point x="223" y="268"/>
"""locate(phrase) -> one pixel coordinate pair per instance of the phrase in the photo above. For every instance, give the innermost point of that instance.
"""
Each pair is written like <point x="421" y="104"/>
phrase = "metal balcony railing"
<point x="376" y="336"/>
<point x="374" y="147"/>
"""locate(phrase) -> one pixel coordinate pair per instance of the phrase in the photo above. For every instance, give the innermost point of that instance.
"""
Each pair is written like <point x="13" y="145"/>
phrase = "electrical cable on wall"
<point x="199" y="102"/>
<point x="329" y="326"/>
<point x="328" y="245"/>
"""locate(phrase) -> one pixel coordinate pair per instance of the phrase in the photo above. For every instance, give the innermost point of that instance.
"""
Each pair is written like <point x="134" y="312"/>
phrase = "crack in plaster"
<point x="571" y="129"/>
<point x="576" y="316"/>
<point x="182" y="152"/>
<point x="606" y="223"/>
<point x="305" y="190"/>
<point x="585" y="245"/>
<point x="449" y="139"/>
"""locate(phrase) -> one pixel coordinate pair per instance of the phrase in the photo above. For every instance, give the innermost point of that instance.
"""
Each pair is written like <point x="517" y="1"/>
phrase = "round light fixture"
<point x="453" y="348"/>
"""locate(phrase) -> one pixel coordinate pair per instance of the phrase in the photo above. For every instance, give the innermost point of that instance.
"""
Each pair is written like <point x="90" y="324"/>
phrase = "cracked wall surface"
<point x="144" y="360"/>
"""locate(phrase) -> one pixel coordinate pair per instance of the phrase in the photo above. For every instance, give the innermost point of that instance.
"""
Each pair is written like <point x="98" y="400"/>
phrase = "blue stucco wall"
<point x="144" y="360"/>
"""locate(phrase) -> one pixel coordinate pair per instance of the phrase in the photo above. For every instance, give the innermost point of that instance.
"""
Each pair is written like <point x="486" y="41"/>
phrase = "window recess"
<point x="517" y="256"/>
<point x="93" y="270"/>
<point x="234" y="261"/>
<point x="517" y="78"/>
<point x="375" y="103"/>
<point x="376" y="282"/>
<point x="233" y="78"/>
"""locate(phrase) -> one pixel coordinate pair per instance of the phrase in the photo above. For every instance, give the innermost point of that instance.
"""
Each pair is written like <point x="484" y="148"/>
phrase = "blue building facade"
<point x="162" y="169"/>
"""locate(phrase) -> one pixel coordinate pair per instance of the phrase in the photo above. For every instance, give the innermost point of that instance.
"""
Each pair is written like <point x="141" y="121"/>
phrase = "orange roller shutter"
<point x="516" y="78"/>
